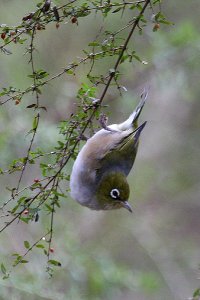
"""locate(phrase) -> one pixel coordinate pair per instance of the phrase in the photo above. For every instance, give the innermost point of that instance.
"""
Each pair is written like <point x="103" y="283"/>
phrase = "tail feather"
<point x="132" y="120"/>
<point x="140" y="106"/>
<point x="138" y="132"/>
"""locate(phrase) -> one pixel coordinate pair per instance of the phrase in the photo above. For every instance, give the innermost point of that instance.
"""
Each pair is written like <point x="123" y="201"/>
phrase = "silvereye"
<point x="98" y="178"/>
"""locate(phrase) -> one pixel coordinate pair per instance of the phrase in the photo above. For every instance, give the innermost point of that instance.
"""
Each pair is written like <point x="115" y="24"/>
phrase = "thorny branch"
<point x="110" y="77"/>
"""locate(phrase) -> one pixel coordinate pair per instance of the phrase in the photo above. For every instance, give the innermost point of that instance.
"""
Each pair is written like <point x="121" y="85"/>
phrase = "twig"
<point x="110" y="77"/>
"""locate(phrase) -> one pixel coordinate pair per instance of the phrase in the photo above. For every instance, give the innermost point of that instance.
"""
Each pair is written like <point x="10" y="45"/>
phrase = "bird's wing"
<point x="122" y="154"/>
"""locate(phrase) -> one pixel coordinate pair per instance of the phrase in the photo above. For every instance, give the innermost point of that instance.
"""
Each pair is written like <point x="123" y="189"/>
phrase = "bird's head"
<point x="113" y="191"/>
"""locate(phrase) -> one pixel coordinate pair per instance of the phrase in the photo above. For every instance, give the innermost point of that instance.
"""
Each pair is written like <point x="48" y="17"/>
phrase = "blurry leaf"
<point x="26" y="244"/>
<point x="54" y="262"/>
<point x="93" y="44"/>
<point x="32" y="105"/>
<point x="196" y="293"/>
<point x="17" y="260"/>
<point x="59" y="194"/>
<point x="166" y="22"/>
<point x="116" y="10"/>
<point x="15" y="208"/>
<point x="40" y="246"/>
<point x="15" y="254"/>
<point x="23" y="261"/>
<point x="186" y="32"/>
<point x="35" y="123"/>
<point x="25" y="220"/>
<point x="124" y="57"/>
<point x="137" y="57"/>
<point x="49" y="208"/>
<point x="133" y="6"/>
<point x="3" y="269"/>
<point x="139" y="7"/>
<point x="21" y="41"/>
<point x="70" y="72"/>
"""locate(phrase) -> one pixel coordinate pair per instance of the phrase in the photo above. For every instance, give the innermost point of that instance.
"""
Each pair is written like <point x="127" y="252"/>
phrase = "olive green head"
<point x="113" y="191"/>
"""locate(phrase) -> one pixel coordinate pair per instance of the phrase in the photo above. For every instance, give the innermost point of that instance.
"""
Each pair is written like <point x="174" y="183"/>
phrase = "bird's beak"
<point x="126" y="205"/>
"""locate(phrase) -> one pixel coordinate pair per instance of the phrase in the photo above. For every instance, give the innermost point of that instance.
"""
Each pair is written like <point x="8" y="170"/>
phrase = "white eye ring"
<point x="115" y="193"/>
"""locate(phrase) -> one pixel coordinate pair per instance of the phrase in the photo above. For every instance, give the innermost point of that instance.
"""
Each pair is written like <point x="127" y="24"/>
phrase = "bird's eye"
<point x="115" y="193"/>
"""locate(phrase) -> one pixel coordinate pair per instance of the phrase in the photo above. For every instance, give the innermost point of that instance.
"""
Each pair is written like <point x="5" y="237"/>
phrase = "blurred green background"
<point x="152" y="254"/>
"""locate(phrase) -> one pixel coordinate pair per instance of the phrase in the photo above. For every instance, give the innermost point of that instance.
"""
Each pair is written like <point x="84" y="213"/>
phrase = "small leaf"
<point x="116" y="10"/>
<point x="15" y="254"/>
<point x="40" y="246"/>
<point x="54" y="262"/>
<point x="70" y="72"/>
<point x="137" y="58"/>
<point x="25" y="220"/>
<point x="35" y="123"/>
<point x="23" y="261"/>
<point x="93" y="44"/>
<point x="26" y="244"/>
<point x="43" y="107"/>
<point x="3" y="269"/>
<point x="32" y="105"/>
<point x="196" y="293"/>
<point x="49" y="208"/>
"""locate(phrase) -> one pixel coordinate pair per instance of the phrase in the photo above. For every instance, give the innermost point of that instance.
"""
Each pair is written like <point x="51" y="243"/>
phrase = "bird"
<point x="99" y="174"/>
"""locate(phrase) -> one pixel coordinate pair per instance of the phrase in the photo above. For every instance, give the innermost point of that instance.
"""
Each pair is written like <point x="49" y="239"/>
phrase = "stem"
<point x="110" y="78"/>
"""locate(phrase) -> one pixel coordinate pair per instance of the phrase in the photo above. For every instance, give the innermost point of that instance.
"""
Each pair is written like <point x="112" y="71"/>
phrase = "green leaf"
<point x="196" y="293"/>
<point x="116" y="10"/>
<point x="59" y="194"/>
<point x="32" y="105"/>
<point x="70" y="72"/>
<point x="15" y="208"/>
<point x="93" y="44"/>
<point x="40" y="246"/>
<point x="26" y="244"/>
<point x="35" y="123"/>
<point x="3" y="269"/>
<point x="137" y="57"/>
<point x="15" y="254"/>
<point x="54" y="262"/>
<point x="25" y="220"/>
<point x="124" y="57"/>
<point x="166" y="22"/>
<point x="139" y="7"/>
<point x="23" y="261"/>
<point x="49" y="208"/>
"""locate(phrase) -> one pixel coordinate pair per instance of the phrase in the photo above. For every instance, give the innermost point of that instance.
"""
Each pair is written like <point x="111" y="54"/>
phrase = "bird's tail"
<point x="138" y="132"/>
<point x="132" y="120"/>
<point x="135" y="115"/>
